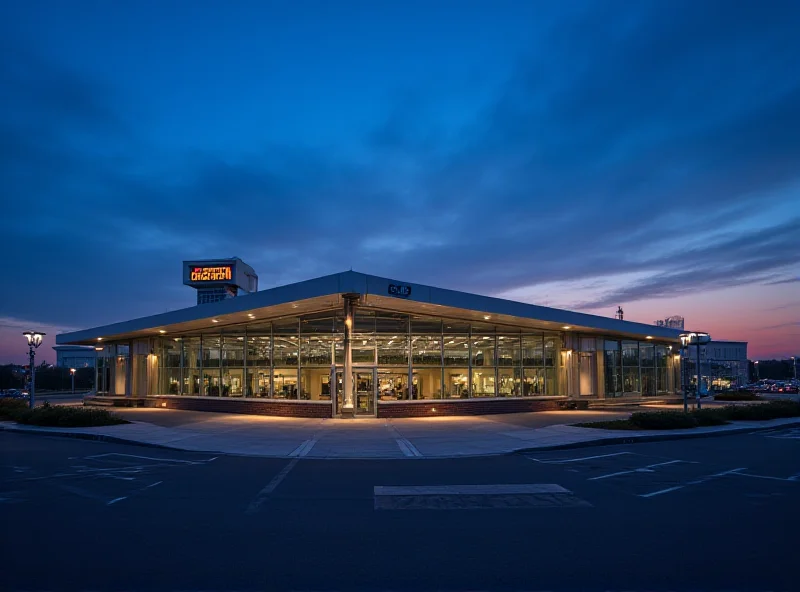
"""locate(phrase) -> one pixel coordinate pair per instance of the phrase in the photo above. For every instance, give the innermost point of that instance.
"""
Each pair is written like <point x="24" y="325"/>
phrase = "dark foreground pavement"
<point x="715" y="514"/>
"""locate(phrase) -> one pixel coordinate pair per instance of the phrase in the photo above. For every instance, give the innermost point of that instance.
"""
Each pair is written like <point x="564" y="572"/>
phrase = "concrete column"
<point x="348" y="407"/>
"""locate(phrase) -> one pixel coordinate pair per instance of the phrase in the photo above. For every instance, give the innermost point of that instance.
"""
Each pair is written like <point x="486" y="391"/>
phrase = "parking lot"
<point x="662" y="515"/>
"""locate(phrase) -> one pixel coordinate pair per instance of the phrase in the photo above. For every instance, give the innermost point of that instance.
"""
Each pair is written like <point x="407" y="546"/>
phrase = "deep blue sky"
<point x="578" y="154"/>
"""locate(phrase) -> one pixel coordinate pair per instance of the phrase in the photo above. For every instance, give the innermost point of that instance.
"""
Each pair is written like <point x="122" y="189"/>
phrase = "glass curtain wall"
<point x="170" y="354"/>
<point x="483" y="361"/>
<point x="662" y="361"/>
<point x="413" y="357"/>
<point x="630" y="367"/>
<point x="456" y="360"/>
<point x="426" y="358"/>
<point x="647" y="353"/>
<point x="317" y="345"/>
<point x="613" y="368"/>
<point x="286" y="356"/>
<point x="509" y="366"/>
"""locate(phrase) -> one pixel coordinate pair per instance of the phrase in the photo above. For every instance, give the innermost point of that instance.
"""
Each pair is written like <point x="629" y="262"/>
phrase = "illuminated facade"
<point x="351" y="344"/>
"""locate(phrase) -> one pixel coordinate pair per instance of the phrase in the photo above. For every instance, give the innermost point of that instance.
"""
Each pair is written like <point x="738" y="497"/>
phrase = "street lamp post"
<point x="72" y="372"/>
<point x="757" y="375"/>
<point x="697" y="339"/>
<point x="684" y="342"/>
<point x="794" y="367"/>
<point x="34" y="340"/>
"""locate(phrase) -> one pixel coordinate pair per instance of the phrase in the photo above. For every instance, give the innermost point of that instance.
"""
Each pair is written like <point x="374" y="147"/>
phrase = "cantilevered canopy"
<point x="326" y="293"/>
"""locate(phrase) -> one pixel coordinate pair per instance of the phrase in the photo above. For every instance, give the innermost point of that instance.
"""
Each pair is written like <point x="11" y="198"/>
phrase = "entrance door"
<point x="364" y="390"/>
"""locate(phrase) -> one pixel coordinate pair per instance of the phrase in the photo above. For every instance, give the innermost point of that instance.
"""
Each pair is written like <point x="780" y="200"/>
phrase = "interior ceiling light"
<point x="214" y="321"/>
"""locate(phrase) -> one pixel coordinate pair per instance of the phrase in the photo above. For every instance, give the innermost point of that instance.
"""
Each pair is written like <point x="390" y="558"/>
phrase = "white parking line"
<point x="407" y="447"/>
<point x="103" y="457"/>
<point x="124" y="497"/>
<point x="647" y="469"/>
<point x="570" y="460"/>
<point x="662" y="491"/>
<point x="270" y="487"/>
<point x="303" y="449"/>
<point x="694" y="482"/>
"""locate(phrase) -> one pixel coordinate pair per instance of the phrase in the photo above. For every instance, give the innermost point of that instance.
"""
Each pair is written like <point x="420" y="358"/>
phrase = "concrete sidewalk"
<point x="441" y="437"/>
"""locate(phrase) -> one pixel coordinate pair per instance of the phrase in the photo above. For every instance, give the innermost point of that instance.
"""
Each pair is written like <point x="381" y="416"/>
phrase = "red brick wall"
<point x="473" y="407"/>
<point x="249" y="406"/>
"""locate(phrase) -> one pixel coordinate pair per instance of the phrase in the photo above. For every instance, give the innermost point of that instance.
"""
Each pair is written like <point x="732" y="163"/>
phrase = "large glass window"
<point x="533" y="382"/>
<point x="482" y="350"/>
<point x="393" y="349"/>
<point x="259" y="360"/>
<point x="285" y="383"/>
<point x="533" y="350"/>
<point x="192" y="360"/>
<point x="630" y="367"/>
<point x="662" y="358"/>
<point x="457" y="382"/>
<point x="613" y="368"/>
<point x="509" y="381"/>
<point x="392" y="384"/>
<point x="169" y="368"/>
<point x="232" y="366"/>
<point x="508" y="350"/>
<point x="551" y="349"/>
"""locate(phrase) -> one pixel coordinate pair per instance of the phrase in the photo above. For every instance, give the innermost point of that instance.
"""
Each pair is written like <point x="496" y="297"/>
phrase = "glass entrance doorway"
<point x="364" y="391"/>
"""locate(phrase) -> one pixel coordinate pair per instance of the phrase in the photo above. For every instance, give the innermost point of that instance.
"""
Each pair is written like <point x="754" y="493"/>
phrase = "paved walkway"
<point x="440" y="437"/>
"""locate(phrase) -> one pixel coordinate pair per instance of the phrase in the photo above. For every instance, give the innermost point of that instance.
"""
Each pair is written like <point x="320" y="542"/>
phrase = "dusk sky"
<point x="582" y="155"/>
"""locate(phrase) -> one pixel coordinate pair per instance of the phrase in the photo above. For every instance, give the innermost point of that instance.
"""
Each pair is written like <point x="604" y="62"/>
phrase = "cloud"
<point x="629" y="139"/>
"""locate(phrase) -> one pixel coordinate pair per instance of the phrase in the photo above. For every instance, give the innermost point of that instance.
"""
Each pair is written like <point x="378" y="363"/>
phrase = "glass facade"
<point x="395" y="357"/>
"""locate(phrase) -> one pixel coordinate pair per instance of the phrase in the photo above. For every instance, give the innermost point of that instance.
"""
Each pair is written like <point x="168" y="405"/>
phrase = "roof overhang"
<point x="325" y="293"/>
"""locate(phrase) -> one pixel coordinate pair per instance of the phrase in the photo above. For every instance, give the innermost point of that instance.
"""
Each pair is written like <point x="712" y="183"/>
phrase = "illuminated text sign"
<point x="211" y="274"/>
<point x="400" y="290"/>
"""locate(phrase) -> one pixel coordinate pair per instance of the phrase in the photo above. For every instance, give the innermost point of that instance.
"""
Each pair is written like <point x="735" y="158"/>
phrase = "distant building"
<point x="724" y="364"/>
<point x="673" y="322"/>
<point x="75" y="356"/>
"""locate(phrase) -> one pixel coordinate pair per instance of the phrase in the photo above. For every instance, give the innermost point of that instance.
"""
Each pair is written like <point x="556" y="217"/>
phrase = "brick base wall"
<point x="473" y="407"/>
<point x="248" y="406"/>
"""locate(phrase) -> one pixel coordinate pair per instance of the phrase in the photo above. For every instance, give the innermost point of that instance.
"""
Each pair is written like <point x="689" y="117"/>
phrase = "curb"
<point x="93" y="437"/>
<point x="573" y="445"/>
<point x="655" y="438"/>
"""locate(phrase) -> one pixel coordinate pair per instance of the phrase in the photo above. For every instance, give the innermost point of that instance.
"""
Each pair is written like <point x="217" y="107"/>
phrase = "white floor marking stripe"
<point x="662" y="491"/>
<point x="647" y="469"/>
<point x="510" y="489"/>
<point x="407" y="447"/>
<point x="172" y="460"/>
<point x="569" y="460"/>
<point x="303" y="449"/>
<point x="271" y="486"/>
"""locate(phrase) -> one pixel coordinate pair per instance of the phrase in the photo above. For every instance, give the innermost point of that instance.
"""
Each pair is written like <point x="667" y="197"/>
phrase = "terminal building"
<point x="351" y="344"/>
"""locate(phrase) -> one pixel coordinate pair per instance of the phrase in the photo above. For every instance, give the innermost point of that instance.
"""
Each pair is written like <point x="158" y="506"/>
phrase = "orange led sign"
<point x="211" y="274"/>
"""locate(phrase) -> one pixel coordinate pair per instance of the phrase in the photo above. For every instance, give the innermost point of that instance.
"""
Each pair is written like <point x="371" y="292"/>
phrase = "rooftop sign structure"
<point x="219" y="279"/>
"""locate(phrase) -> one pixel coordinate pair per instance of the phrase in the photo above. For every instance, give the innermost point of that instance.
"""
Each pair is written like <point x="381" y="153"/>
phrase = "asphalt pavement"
<point x="701" y="514"/>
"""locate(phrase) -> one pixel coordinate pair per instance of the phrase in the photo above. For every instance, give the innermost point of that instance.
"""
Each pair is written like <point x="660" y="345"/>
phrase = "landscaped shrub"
<point x="663" y="420"/>
<point x="11" y="408"/>
<point x="710" y="416"/>
<point x="68" y="417"/>
<point x="737" y="396"/>
<point x="677" y="420"/>
<point x="764" y="411"/>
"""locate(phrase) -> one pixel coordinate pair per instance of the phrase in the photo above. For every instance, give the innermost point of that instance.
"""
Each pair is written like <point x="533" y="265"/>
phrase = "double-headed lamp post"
<point x="34" y="340"/>
<point x="696" y="339"/>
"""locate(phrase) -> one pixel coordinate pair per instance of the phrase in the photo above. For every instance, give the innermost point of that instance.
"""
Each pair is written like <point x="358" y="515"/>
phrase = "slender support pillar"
<point x="348" y="408"/>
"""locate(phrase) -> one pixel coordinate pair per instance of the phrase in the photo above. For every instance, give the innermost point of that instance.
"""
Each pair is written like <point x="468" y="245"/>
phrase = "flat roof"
<point x="325" y="293"/>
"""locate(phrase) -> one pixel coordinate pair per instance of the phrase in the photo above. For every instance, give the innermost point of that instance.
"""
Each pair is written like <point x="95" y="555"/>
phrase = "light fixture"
<point x="214" y="321"/>
<point x="99" y="339"/>
<point x="100" y="348"/>
<point x="566" y="327"/>
<point x="486" y="317"/>
<point x="649" y="337"/>
<point x="161" y="331"/>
